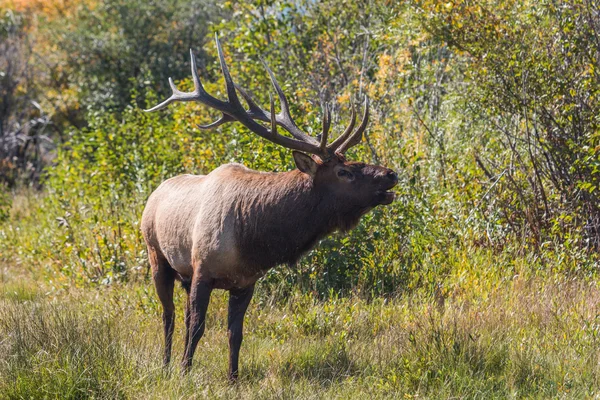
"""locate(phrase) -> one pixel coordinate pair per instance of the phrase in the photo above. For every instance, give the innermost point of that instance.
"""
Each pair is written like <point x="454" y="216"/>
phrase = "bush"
<point x="115" y="46"/>
<point x="533" y="89"/>
<point x="86" y="229"/>
<point x="458" y="190"/>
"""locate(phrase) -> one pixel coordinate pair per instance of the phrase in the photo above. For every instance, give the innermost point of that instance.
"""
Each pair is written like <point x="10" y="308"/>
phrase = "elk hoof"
<point x="233" y="378"/>
<point x="185" y="368"/>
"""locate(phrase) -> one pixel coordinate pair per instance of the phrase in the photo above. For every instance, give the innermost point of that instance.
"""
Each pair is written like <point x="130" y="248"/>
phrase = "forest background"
<point x="481" y="280"/>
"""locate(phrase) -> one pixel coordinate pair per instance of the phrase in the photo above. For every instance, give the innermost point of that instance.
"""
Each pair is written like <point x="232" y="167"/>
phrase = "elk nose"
<point x="392" y="176"/>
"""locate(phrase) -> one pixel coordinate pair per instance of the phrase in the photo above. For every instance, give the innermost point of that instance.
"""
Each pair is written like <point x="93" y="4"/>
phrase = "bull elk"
<point x="226" y="229"/>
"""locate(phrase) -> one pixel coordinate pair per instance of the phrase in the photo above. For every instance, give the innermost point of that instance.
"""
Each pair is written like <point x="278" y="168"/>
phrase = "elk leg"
<point x="187" y="286"/>
<point x="238" y="304"/>
<point x="164" y="282"/>
<point x="198" y="303"/>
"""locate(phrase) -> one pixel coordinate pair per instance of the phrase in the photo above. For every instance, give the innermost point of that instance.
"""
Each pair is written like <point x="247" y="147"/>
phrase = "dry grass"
<point x="535" y="338"/>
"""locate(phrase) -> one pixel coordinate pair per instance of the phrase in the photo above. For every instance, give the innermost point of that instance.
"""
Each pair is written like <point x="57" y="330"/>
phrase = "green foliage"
<point x="86" y="229"/>
<point x="323" y="47"/>
<point x="533" y="89"/>
<point x="427" y="124"/>
<point x="104" y="173"/>
<point x="22" y="124"/>
<point x="60" y="61"/>
<point x="98" y="187"/>
<point x="117" y="46"/>
<point x="5" y="203"/>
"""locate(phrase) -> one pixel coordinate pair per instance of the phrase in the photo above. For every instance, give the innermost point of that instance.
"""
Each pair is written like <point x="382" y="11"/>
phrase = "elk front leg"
<point x="164" y="282"/>
<point x="198" y="303"/>
<point x="238" y="304"/>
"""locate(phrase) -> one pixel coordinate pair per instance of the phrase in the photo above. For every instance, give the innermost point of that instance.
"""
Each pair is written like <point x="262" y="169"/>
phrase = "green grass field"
<point x="483" y="337"/>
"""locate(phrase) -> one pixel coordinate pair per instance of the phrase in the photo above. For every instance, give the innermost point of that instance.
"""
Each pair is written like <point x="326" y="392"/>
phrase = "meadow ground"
<point x="487" y="337"/>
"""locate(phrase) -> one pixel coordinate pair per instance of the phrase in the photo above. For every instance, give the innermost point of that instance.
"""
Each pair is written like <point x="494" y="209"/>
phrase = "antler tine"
<point x="326" y="126"/>
<point x="198" y="94"/>
<point x="176" y="95"/>
<point x="273" y="117"/>
<point x="230" y="86"/>
<point x="285" y="118"/>
<point x="224" y="119"/>
<point x="342" y="138"/>
<point x="255" y="111"/>
<point x="356" y="137"/>
<point x="198" y="88"/>
<point x="285" y="109"/>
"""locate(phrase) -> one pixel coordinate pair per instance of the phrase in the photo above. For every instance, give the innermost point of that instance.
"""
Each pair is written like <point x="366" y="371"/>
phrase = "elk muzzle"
<point x="384" y="196"/>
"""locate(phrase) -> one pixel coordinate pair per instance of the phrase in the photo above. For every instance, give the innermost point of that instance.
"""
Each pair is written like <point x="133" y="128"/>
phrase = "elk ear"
<point x="305" y="163"/>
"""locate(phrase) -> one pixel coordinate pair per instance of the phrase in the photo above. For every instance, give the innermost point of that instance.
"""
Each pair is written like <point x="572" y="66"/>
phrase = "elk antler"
<point x="232" y="110"/>
<point x="352" y="138"/>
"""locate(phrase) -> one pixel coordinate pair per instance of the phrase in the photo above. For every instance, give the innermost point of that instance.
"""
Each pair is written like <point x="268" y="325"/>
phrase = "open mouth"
<point x="385" y="197"/>
<point x="388" y="197"/>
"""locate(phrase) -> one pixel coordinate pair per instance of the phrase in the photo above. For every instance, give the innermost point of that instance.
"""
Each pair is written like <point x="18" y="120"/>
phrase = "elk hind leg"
<point x="164" y="282"/>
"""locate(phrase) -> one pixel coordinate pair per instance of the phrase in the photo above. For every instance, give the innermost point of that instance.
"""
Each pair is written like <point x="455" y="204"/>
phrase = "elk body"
<point x="226" y="229"/>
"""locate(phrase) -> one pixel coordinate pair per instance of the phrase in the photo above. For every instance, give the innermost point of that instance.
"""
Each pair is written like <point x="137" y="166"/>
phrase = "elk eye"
<point x="342" y="173"/>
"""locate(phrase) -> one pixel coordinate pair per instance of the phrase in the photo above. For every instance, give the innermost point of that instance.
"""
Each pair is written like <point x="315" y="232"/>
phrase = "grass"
<point x="483" y="337"/>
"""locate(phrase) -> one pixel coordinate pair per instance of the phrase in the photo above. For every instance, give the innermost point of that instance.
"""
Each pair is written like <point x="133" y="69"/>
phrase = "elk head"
<point x="359" y="186"/>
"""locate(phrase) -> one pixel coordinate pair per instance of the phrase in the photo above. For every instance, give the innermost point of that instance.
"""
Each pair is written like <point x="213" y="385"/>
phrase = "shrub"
<point x="532" y="89"/>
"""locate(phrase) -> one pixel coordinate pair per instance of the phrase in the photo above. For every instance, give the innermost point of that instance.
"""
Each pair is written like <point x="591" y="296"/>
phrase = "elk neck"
<point x="284" y="215"/>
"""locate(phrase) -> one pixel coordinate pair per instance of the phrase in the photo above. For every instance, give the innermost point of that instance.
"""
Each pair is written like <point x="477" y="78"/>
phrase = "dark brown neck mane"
<point x="284" y="215"/>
